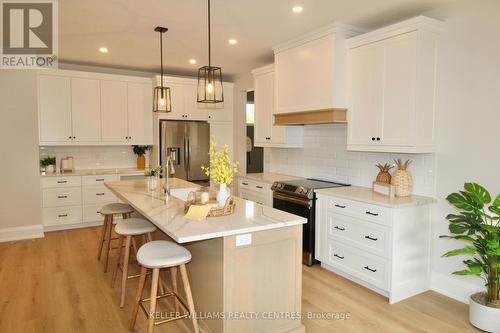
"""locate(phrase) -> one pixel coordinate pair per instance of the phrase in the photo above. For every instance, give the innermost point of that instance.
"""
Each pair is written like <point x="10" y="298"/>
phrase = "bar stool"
<point x="109" y="211"/>
<point x="127" y="230"/>
<point x="156" y="255"/>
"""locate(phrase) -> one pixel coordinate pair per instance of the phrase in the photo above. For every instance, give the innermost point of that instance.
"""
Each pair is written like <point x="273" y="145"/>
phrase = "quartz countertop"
<point x="87" y="172"/>
<point x="269" y="177"/>
<point x="168" y="215"/>
<point x="365" y="194"/>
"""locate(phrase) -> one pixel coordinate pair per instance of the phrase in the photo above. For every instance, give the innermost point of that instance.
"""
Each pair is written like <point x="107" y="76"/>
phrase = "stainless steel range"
<point x="298" y="197"/>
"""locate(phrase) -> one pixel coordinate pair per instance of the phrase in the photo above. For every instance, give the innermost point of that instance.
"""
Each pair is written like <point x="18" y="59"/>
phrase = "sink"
<point x="182" y="193"/>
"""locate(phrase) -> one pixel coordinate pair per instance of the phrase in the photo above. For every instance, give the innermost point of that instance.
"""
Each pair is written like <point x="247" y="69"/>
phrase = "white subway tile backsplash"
<point x="324" y="156"/>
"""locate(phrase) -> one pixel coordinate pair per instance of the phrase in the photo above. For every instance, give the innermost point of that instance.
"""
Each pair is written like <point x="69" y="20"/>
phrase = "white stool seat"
<point x="116" y="208"/>
<point x="161" y="253"/>
<point x="134" y="227"/>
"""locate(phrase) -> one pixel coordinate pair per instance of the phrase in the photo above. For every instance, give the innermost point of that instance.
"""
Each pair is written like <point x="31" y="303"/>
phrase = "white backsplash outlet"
<point x="324" y="156"/>
<point x="94" y="157"/>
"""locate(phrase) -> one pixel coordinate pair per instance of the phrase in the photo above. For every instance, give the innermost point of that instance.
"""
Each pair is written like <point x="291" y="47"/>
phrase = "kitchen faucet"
<point x="166" y="171"/>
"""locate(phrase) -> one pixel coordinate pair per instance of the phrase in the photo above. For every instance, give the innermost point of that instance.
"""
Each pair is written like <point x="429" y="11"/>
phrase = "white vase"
<point x="222" y="195"/>
<point x="152" y="183"/>
<point x="49" y="169"/>
<point x="484" y="317"/>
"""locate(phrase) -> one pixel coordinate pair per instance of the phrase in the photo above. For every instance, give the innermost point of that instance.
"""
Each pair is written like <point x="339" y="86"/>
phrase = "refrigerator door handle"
<point x="186" y="155"/>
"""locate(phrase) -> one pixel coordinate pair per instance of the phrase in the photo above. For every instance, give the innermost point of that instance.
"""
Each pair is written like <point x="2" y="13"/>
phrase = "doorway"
<point x="255" y="155"/>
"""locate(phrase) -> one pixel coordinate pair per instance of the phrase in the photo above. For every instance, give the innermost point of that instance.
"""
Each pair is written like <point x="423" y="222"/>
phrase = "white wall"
<point x="469" y="122"/>
<point x="324" y="156"/>
<point x="20" y="205"/>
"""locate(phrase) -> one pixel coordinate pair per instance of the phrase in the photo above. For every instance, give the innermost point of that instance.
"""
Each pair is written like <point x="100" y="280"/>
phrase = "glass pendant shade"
<point x="162" y="100"/>
<point x="210" y="89"/>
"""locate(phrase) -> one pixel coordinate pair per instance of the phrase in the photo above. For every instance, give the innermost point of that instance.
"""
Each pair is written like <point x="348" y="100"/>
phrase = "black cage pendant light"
<point x="162" y="100"/>
<point x="209" y="77"/>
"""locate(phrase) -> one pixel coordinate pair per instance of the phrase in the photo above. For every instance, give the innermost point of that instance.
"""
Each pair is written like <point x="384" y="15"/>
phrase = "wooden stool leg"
<point x="154" y="293"/>
<point x="119" y="259"/>
<point x="125" y="216"/>
<point x="134" y="245"/>
<point x="108" y="242"/>
<point x="125" y="270"/>
<point x="138" y="296"/>
<point x="173" y="275"/>
<point x="189" y="296"/>
<point x="101" y="238"/>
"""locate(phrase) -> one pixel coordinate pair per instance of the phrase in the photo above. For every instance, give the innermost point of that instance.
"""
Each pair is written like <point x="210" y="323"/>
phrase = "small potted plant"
<point x="140" y="151"/>
<point x="48" y="164"/>
<point x="477" y="224"/>
<point x="153" y="174"/>
<point x="221" y="170"/>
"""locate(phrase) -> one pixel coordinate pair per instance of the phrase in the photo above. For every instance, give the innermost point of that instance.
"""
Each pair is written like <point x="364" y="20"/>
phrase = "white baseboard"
<point x="453" y="287"/>
<point x="19" y="233"/>
<point x="59" y="227"/>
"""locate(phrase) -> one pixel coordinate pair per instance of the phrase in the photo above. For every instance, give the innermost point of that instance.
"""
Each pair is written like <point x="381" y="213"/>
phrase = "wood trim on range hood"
<point x="327" y="116"/>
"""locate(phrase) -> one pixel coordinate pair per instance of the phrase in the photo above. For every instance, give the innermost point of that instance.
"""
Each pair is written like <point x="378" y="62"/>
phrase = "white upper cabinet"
<point x="392" y="88"/>
<point x="80" y="108"/>
<point x="310" y="70"/>
<point x="140" y="122"/>
<point x="114" y="120"/>
<point x="265" y="134"/>
<point x="86" y="110"/>
<point x="222" y="112"/>
<point x="54" y="108"/>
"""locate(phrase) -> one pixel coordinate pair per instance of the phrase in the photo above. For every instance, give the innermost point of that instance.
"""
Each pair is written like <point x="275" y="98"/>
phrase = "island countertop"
<point x="168" y="215"/>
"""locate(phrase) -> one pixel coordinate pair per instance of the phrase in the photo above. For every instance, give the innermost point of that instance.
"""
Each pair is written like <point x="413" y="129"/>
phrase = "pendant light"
<point x="209" y="77"/>
<point x="161" y="97"/>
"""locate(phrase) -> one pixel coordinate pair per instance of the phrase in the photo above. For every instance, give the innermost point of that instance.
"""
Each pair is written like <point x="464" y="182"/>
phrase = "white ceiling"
<point x="125" y="27"/>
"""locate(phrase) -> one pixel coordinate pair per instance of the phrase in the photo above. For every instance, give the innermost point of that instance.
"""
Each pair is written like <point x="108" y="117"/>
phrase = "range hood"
<point x="326" y="116"/>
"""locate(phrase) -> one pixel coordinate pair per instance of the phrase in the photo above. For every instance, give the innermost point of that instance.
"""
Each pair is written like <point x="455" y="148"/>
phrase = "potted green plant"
<point x="48" y="164"/>
<point x="140" y="151"/>
<point x="477" y="224"/>
<point x="153" y="174"/>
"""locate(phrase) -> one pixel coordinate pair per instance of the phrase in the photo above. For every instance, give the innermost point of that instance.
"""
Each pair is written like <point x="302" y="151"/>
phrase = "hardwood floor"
<point x="55" y="284"/>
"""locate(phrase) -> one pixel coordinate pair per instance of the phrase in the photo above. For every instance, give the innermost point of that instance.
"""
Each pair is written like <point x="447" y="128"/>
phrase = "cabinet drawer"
<point x="97" y="194"/>
<point x="59" y="197"/>
<point x="359" y="209"/>
<point x="63" y="181"/>
<point x="62" y="215"/>
<point x="364" y="266"/>
<point x="254" y="186"/>
<point x="92" y="213"/>
<point x="259" y="198"/>
<point x="97" y="179"/>
<point x="363" y="234"/>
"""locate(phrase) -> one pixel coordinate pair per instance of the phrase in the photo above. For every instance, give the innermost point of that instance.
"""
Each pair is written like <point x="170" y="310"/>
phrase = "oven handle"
<point x="292" y="200"/>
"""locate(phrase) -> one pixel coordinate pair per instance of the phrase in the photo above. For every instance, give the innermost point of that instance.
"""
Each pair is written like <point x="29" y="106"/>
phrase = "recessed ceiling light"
<point x="192" y="61"/>
<point x="297" y="9"/>
<point x="103" y="49"/>
<point x="232" y="41"/>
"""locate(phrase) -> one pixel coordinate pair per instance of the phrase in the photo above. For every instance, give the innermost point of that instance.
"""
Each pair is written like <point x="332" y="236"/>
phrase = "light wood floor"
<point x="55" y="284"/>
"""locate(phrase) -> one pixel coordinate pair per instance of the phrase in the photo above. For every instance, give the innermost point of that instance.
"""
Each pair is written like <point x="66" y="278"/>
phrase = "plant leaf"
<point x="465" y="250"/>
<point x="496" y="202"/>
<point x="462" y="201"/>
<point x="468" y="272"/>
<point x="479" y="192"/>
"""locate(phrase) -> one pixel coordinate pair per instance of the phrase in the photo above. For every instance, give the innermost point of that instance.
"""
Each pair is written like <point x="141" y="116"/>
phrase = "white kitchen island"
<point x="246" y="271"/>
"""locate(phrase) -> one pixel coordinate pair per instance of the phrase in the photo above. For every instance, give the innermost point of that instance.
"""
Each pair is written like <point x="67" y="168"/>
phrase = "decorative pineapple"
<point x="384" y="176"/>
<point x="402" y="179"/>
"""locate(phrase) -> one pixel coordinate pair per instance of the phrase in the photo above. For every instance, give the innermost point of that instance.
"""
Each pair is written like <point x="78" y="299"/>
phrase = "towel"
<point x="198" y="212"/>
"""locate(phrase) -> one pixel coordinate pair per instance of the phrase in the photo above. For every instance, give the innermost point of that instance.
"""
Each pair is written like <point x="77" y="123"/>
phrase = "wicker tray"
<point x="228" y="208"/>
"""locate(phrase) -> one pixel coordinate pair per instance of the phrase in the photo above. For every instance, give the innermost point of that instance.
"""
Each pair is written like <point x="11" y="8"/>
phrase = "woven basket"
<point x="228" y="208"/>
<point x="403" y="183"/>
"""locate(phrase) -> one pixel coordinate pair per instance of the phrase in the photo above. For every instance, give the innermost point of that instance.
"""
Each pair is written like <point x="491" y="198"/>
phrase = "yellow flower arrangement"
<point x="221" y="170"/>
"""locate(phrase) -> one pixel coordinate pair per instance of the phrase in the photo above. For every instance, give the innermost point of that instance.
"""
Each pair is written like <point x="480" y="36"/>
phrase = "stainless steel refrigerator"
<point x="187" y="143"/>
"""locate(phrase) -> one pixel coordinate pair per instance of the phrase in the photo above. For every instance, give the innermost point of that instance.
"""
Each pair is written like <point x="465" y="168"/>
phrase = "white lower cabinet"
<point x="70" y="201"/>
<point x="384" y="249"/>
<point x="258" y="192"/>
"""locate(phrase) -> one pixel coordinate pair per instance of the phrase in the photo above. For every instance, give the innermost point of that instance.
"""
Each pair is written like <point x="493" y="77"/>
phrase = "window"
<point x="250" y="114"/>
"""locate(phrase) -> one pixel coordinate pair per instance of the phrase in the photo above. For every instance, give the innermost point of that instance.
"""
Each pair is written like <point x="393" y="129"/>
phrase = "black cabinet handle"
<point x="373" y="139"/>
<point x="244" y="183"/>
<point x="336" y="255"/>
<point x="259" y="186"/>
<point x="372" y="214"/>
<point x="259" y="203"/>
<point x="378" y="139"/>
<point x="74" y="137"/>
<point x="62" y="181"/>
<point x="99" y="194"/>
<point x="370" y="269"/>
<point x="339" y="206"/>
<point x="99" y="179"/>
<point x="62" y="215"/>
<point x="371" y="238"/>
<point x="268" y="138"/>
<point x="62" y="196"/>
<point x="69" y="137"/>
<point x="339" y="228"/>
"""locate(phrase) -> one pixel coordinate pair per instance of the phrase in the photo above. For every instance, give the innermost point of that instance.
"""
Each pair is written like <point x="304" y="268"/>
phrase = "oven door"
<point x="303" y="208"/>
